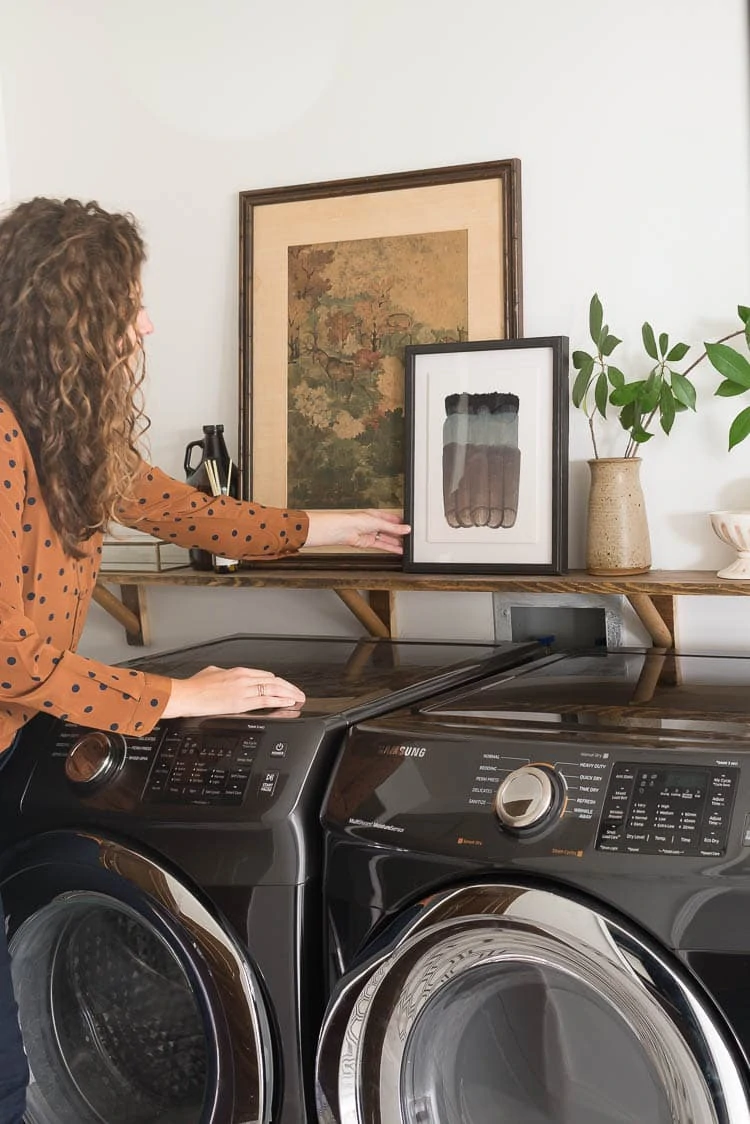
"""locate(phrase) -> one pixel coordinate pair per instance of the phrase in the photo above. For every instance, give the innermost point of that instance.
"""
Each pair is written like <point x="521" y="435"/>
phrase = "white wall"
<point x="631" y="122"/>
<point x="4" y="175"/>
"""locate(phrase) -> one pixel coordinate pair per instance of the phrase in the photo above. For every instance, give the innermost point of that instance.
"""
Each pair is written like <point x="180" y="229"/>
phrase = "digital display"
<point x="684" y="778"/>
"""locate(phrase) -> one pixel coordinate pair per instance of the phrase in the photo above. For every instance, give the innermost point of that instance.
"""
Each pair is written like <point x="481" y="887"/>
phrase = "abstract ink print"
<point x="481" y="460"/>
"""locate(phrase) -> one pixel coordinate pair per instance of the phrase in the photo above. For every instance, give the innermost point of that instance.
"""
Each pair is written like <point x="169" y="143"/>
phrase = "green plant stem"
<point x="723" y="339"/>
<point x="631" y="447"/>
<point x="593" y="437"/>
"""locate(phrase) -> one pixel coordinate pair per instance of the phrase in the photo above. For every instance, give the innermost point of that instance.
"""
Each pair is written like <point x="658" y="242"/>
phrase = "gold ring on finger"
<point x="261" y="690"/>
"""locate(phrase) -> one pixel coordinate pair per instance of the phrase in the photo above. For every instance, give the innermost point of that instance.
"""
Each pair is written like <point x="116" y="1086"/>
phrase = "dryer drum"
<point x="503" y="1002"/>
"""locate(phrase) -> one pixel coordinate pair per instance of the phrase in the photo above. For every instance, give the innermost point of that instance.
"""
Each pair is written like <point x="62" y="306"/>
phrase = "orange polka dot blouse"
<point x="45" y="594"/>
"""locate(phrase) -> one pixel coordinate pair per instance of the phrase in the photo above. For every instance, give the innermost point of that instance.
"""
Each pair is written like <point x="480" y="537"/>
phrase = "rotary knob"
<point x="94" y="758"/>
<point x="530" y="797"/>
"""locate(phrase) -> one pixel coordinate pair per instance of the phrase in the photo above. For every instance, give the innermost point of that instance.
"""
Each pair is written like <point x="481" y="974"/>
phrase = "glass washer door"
<point x="500" y="1003"/>
<point x="135" y="1004"/>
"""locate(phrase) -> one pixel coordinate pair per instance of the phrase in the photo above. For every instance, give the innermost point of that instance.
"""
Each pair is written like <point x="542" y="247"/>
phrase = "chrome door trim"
<point x="364" y="1036"/>
<point x="242" y="1001"/>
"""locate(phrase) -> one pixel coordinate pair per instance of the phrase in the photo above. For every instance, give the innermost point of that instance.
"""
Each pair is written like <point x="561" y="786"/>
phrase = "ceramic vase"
<point x="617" y="540"/>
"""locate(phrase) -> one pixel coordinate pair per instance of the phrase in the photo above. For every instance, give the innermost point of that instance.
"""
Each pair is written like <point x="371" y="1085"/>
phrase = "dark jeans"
<point x="14" y="1070"/>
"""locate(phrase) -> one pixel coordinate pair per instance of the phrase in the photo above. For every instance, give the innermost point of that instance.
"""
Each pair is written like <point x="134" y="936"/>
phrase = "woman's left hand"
<point x="380" y="529"/>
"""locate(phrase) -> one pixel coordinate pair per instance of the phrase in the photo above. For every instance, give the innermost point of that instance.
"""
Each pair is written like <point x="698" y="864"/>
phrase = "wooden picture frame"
<point x="336" y="279"/>
<point x="487" y="456"/>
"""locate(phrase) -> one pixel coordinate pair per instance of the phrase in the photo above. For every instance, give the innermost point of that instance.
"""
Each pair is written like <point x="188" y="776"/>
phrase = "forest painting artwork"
<point x="353" y="306"/>
<point x="337" y="280"/>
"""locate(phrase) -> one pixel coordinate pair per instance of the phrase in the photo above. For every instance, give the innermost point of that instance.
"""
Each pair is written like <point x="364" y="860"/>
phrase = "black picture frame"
<point x="479" y="500"/>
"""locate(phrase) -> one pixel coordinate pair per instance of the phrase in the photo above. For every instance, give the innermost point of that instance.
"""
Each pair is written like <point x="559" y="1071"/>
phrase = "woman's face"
<point x="143" y="325"/>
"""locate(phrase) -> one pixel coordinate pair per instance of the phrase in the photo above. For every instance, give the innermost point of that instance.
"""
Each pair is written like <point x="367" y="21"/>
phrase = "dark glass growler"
<point x="213" y="449"/>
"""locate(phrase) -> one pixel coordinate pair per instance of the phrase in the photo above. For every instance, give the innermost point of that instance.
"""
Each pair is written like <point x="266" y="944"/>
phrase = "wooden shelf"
<point x="651" y="595"/>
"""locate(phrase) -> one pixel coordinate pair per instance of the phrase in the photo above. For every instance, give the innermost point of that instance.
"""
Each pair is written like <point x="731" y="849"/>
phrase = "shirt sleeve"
<point x="242" y="529"/>
<point x="41" y="677"/>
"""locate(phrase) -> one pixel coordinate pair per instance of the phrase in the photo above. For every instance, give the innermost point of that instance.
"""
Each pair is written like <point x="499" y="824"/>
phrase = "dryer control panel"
<point x="667" y="809"/>
<point x="488" y="796"/>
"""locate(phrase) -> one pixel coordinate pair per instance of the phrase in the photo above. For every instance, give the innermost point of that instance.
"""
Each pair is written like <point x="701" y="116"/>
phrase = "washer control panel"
<point x="667" y="809"/>
<point x="212" y="767"/>
<point x="184" y="764"/>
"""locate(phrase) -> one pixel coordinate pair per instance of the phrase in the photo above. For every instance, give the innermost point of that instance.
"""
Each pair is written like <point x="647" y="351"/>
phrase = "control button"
<point x="278" y="749"/>
<point x="268" y="783"/>
<point x="95" y="758"/>
<point x="528" y="796"/>
<point x="236" y="784"/>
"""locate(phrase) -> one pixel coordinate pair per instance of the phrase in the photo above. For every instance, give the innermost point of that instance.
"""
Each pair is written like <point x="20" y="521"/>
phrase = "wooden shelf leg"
<point x="366" y="615"/>
<point x="651" y="619"/>
<point x="383" y="602"/>
<point x="131" y="612"/>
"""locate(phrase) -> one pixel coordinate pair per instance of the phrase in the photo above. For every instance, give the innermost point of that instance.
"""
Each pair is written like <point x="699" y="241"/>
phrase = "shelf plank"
<point x="651" y="595"/>
<point x="669" y="583"/>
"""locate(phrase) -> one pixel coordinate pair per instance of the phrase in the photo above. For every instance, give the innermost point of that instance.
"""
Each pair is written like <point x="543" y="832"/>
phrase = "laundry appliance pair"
<point x="537" y="896"/>
<point x="163" y="893"/>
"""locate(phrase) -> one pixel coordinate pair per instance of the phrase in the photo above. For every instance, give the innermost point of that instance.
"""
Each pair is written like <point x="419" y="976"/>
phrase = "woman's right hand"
<point x="235" y="690"/>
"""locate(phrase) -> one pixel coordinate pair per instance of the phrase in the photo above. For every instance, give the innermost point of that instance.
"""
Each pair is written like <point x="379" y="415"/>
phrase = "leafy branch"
<point x="735" y="371"/>
<point x="663" y="393"/>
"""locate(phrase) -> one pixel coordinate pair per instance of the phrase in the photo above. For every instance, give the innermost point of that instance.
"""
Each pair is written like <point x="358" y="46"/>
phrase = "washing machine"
<point x="537" y="899"/>
<point x="163" y="893"/>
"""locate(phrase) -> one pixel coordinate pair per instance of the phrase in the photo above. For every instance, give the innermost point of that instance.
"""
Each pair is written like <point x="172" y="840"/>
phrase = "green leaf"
<point x="648" y="341"/>
<point x="596" y="317"/>
<point x="581" y="384"/>
<point x="739" y="428"/>
<point x="729" y="363"/>
<point x="678" y="352"/>
<point x="600" y="394"/>
<point x="651" y="393"/>
<point x="666" y="409"/>
<point x="744" y="313"/>
<point x="580" y="358"/>
<point x="663" y="344"/>
<point x="626" y="394"/>
<point x="729" y="389"/>
<point x="609" y="344"/>
<point x="680" y="407"/>
<point x="641" y="435"/>
<point x="615" y="376"/>
<point x="627" y="415"/>
<point x="683" y="390"/>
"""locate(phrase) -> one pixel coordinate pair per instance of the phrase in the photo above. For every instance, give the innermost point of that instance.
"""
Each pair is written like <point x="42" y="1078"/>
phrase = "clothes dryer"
<point x="163" y="893"/>
<point x="537" y="894"/>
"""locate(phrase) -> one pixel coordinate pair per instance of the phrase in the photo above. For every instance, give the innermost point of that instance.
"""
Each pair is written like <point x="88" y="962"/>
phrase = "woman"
<point x="71" y="366"/>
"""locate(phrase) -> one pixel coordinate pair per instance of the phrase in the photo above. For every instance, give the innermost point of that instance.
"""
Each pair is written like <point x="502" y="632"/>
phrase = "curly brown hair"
<point x="71" y="363"/>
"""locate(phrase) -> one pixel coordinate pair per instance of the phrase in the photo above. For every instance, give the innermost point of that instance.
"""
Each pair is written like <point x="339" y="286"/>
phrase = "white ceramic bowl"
<point x="733" y="528"/>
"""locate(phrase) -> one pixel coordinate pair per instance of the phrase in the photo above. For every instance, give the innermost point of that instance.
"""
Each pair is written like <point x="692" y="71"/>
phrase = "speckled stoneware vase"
<point x="617" y="537"/>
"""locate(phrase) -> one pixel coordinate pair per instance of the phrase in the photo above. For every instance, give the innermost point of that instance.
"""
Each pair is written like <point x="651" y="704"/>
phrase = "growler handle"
<point x="188" y="455"/>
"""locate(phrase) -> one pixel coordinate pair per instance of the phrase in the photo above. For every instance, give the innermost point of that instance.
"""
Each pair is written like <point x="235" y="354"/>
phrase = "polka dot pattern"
<point x="45" y="595"/>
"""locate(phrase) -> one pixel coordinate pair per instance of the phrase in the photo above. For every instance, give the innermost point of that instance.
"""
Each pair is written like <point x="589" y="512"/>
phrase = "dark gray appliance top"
<point x="638" y="690"/>
<point x="345" y="677"/>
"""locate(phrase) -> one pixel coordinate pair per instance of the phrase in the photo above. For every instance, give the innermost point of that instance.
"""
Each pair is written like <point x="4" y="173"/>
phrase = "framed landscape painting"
<point x="337" y="279"/>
